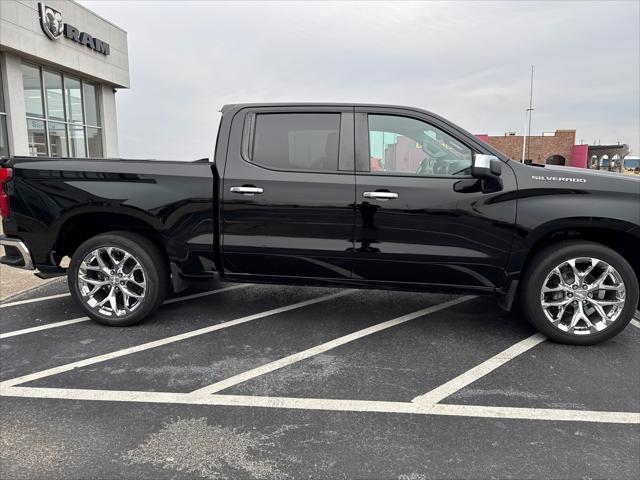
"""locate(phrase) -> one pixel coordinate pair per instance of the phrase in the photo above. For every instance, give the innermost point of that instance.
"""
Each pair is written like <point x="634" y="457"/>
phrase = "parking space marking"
<point x="334" y="405"/>
<point x="206" y="294"/>
<point x="452" y="386"/>
<point x="635" y="323"/>
<point x="318" y="349"/>
<point x="166" y="302"/>
<point x="553" y="414"/>
<point x="164" y="341"/>
<point x="85" y="319"/>
<point x="33" y="300"/>
<point x="43" y="327"/>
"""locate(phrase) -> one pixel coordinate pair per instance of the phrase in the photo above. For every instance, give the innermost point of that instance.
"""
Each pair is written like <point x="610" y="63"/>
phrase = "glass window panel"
<point x="58" y="139"/>
<point x="1" y="95"/>
<point x="297" y="141"/>
<point x="32" y="90"/>
<point x="412" y="147"/>
<point x="4" y="139"/>
<point x="90" y="104"/>
<point x="37" y="138"/>
<point x="76" y="135"/>
<point x="73" y="99"/>
<point x="53" y="89"/>
<point x="94" y="140"/>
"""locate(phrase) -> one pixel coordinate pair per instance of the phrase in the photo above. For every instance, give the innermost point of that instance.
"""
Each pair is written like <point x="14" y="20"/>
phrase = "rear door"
<point x="288" y="194"/>
<point x="421" y="218"/>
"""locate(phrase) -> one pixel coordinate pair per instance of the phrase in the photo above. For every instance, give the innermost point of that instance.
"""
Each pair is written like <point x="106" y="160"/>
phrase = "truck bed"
<point x="170" y="200"/>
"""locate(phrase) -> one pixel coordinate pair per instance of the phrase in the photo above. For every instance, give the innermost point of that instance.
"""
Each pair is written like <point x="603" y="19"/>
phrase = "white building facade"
<point x="60" y="68"/>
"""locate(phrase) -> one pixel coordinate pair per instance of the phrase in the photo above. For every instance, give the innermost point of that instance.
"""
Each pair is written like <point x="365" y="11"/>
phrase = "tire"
<point x="540" y="272"/>
<point x="143" y="282"/>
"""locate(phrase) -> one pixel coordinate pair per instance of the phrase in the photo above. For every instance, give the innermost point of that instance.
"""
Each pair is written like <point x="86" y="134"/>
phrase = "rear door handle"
<point x="380" y="195"/>
<point x="246" y="190"/>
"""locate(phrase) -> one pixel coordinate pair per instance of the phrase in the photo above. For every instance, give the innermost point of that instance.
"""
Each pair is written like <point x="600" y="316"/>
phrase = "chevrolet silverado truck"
<point x="366" y="196"/>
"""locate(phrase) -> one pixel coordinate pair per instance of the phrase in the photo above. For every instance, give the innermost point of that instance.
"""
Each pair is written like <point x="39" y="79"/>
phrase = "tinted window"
<point x="297" y="141"/>
<point x="408" y="146"/>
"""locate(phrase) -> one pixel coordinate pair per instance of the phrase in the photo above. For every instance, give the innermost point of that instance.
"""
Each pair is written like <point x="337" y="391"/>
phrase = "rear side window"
<point x="297" y="141"/>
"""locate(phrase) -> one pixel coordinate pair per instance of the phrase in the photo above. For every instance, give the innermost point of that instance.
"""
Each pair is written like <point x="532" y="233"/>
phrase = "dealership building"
<point x="60" y="68"/>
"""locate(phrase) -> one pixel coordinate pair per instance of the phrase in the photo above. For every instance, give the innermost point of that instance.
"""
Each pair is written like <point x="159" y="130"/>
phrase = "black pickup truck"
<point x="365" y="196"/>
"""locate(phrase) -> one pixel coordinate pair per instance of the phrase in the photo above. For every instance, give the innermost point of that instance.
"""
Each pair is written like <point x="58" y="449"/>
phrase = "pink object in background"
<point x="579" y="155"/>
<point x="483" y="136"/>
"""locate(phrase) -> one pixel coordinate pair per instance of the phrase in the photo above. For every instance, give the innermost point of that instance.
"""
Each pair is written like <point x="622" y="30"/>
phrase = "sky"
<point x="469" y="62"/>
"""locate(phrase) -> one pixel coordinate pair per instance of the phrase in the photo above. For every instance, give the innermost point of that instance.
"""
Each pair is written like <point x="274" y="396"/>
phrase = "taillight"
<point x="5" y="175"/>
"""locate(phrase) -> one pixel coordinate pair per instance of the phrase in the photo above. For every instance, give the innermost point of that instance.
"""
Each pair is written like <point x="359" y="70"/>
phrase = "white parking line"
<point x="43" y="327"/>
<point x="165" y="341"/>
<point x="635" y="323"/>
<point x="85" y="319"/>
<point x="205" y="294"/>
<point x="61" y="295"/>
<point x="310" y="352"/>
<point x="452" y="386"/>
<point x="33" y="300"/>
<point x="335" y="405"/>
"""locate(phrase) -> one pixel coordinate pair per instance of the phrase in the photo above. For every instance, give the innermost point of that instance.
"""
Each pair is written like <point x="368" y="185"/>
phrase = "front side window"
<point x="406" y="146"/>
<point x="297" y="141"/>
<point x="63" y="117"/>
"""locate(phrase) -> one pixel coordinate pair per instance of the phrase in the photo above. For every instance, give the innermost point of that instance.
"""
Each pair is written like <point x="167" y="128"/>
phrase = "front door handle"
<point x="380" y="195"/>
<point x="246" y="190"/>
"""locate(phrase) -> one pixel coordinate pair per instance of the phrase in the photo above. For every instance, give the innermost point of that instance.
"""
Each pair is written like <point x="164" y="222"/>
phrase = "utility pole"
<point x="528" y="111"/>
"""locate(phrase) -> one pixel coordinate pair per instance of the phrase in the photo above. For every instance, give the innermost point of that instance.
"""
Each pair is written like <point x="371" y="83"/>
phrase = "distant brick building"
<point x="558" y="148"/>
<point x="609" y="157"/>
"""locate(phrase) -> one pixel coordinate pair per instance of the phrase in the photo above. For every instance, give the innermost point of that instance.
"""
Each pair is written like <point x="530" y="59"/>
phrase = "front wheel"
<point x="118" y="278"/>
<point x="580" y="293"/>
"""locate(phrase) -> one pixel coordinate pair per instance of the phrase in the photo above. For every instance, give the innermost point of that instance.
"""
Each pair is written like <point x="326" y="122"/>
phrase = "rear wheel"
<point x="579" y="293"/>
<point x="118" y="278"/>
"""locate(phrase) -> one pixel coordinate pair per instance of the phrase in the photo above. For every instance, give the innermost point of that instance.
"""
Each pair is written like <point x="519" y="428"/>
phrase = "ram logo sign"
<point x="546" y="178"/>
<point x="52" y="24"/>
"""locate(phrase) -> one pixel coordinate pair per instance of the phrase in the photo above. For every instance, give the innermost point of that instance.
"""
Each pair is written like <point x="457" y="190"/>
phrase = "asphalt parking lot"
<point x="287" y="382"/>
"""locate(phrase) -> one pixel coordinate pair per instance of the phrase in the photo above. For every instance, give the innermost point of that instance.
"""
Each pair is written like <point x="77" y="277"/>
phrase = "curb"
<point x="31" y="289"/>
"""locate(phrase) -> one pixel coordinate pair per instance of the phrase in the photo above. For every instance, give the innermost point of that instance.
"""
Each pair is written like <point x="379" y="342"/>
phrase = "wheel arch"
<point x="621" y="237"/>
<point x="81" y="226"/>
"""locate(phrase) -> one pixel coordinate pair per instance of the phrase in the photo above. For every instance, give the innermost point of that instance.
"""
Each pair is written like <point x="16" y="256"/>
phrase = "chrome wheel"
<point x="112" y="281"/>
<point x="583" y="296"/>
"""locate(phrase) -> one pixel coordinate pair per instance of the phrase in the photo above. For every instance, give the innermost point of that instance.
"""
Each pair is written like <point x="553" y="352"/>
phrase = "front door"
<point x="421" y="219"/>
<point x="288" y="194"/>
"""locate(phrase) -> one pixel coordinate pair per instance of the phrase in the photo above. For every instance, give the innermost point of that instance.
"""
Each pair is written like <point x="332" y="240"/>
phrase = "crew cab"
<point x="340" y="195"/>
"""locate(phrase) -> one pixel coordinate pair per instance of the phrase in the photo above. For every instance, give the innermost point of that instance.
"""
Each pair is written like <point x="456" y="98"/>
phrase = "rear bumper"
<point x="16" y="253"/>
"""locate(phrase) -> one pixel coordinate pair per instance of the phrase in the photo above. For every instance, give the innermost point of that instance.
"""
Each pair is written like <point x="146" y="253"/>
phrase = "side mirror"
<point x="486" y="167"/>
